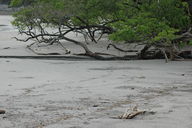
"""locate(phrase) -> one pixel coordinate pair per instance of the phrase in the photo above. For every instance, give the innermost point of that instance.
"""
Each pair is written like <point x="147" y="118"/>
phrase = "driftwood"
<point x="132" y="113"/>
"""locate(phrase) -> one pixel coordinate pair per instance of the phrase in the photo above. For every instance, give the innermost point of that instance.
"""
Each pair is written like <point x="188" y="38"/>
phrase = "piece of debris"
<point x="95" y="105"/>
<point x="6" y="48"/>
<point x="2" y="111"/>
<point x="4" y="117"/>
<point x="131" y="113"/>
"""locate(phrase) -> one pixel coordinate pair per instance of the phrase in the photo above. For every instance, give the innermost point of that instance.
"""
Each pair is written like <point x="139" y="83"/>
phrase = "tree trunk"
<point x="171" y="54"/>
<point x="142" y="54"/>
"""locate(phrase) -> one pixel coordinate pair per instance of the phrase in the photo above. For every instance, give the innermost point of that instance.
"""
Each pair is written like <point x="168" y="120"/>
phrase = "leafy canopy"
<point x="130" y="20"/>
<point x="153" y="21"/>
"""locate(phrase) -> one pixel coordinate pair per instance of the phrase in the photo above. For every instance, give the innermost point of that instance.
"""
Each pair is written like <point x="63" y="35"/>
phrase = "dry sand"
<point x="89" y="94"/>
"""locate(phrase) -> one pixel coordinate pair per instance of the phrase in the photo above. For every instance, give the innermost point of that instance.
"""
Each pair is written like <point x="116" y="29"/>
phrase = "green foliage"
<point x="142" y="28"/>
<point x="152" y="22"/>
<point x="16" y="3"/>
<point x="190" y="42"/>
<point x="52" y="12"/>
<point x="173" y="12"/>
<point x="149" y="20"/>
<point x="22" y="18"/>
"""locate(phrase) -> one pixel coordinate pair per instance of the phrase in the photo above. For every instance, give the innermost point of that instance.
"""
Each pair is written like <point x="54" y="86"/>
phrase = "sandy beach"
<point x="58" y="93"/>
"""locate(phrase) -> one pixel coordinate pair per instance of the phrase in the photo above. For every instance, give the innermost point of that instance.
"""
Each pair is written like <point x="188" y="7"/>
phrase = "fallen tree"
<point x="146" y="22"/>
<point x="164" y="25"/>
<point x="36" y="22"/>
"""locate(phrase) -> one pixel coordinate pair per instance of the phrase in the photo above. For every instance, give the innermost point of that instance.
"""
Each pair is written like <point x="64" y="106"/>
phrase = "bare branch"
<point x="120" y="48"/>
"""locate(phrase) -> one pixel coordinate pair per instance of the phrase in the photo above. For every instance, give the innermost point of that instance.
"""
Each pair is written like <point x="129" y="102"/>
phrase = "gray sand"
<point x="90" y="94"/>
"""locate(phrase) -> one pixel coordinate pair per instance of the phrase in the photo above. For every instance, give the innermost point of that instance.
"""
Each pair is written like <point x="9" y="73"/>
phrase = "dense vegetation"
<point x="163" y="24"/>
